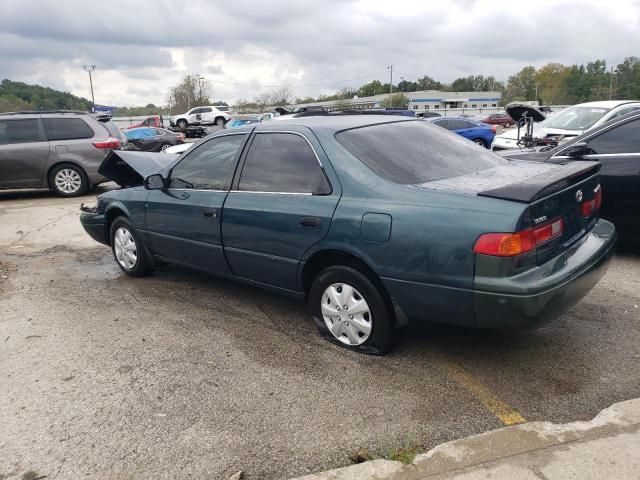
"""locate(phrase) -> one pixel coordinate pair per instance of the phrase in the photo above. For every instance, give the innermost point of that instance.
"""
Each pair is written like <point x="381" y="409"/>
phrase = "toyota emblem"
<point x="579" y="195"/>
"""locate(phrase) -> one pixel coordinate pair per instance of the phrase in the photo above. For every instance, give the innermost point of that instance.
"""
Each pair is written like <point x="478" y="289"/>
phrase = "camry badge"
<point x="579" y="195"/>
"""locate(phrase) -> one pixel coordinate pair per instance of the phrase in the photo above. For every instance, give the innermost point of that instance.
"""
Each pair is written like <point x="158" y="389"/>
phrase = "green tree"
<point x="521" y="86"/>
<point x="397" y="100"/>
<point x="627" y="79"/>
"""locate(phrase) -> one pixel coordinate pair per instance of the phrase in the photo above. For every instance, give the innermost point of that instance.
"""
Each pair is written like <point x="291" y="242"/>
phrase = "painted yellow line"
<point x="505" y="412"/>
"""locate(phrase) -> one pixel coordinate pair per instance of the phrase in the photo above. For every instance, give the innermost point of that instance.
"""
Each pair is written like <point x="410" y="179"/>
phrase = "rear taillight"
<point x="108" y="143"/>
<point x="588" y="207"/>
<point x="493" y="129"/>
<point x="512" y="244"/>
<point x="180" y="136"/>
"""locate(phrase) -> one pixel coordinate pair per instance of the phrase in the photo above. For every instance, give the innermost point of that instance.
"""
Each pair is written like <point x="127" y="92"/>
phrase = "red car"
<point x="152" y="121"/>
<point x="496" y="119"/>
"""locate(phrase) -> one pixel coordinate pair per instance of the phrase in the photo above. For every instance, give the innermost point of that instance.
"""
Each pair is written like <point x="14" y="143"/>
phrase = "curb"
<point x="490" y="446"/>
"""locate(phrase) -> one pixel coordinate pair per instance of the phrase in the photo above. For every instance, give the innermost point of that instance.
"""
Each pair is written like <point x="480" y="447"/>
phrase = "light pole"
<point x="390" y="68"/>
<point x="89" y="69"/>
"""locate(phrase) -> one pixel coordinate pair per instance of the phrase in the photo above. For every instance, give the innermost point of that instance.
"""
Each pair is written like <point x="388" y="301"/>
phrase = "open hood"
<point x="517" y="109"/>
<point x="129" y="169"/>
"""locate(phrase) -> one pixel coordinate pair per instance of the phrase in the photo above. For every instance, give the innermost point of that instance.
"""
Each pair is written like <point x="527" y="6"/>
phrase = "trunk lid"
<point x="551" y="192"/>
<point x="129" y="169"/>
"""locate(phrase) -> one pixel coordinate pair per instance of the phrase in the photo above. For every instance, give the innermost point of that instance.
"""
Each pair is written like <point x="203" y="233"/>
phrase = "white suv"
<point x="218" y="115"/>
<point x="570" y="122"/>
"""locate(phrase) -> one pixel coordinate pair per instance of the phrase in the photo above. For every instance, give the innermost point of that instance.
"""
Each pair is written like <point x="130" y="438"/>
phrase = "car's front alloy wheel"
<point x="128" y="249"/>
<point x="124" y="247"/>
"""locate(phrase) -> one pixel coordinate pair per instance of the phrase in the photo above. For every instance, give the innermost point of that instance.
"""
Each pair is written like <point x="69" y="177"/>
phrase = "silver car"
<point x="59" y="150"/>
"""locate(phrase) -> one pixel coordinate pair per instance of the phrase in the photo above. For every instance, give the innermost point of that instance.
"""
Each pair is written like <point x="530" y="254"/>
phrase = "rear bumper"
<point x="542" y="294"/>
<point x="95" y="225"/>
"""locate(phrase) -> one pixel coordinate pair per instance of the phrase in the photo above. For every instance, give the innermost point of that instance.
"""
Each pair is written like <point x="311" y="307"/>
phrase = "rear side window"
<point x="415" y="152"/>
<point x="66" y="129"/>
<point x="19" y="131"/>
<point x="456" y="124"/>
<point x="284" y="163"/>
<point x="622" y="139"/>
<point x="208" y="166"/>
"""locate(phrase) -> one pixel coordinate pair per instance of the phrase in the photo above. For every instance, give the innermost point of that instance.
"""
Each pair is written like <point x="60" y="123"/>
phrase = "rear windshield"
<point x="113" y="130"/>
<point x="416" y="152"/>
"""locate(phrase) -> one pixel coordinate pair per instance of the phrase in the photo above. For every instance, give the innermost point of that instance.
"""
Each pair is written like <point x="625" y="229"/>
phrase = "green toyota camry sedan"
<point x="376" y="220"/>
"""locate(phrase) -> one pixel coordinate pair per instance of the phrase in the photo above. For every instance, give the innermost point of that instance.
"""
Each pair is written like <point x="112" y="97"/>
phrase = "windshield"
<point x="575" y="118"/>
<point x="416" y="152"/>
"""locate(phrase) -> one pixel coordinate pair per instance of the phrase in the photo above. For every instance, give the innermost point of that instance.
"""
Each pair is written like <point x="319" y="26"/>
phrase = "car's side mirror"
<point x="154" y="182"/>
<point x="578" y="149"/>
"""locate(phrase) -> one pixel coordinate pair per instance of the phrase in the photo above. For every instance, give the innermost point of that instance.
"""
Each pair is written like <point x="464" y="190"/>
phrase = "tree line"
<point x="18" y="96"/>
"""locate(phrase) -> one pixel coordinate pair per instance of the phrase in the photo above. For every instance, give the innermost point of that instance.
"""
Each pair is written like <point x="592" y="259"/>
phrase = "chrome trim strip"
<point x="272" y="193"/>
<point x="597" y="155"/>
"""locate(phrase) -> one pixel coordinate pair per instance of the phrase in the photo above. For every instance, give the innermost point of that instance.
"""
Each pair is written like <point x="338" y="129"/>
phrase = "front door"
<point x="24" y="151"/>
<point x="183" y="220"/>
<point x="281" y="205"/>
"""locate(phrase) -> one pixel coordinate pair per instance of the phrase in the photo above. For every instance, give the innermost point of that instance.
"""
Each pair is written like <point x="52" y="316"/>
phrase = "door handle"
<point x="310" y="222"/>
<point x="211" y="212"/>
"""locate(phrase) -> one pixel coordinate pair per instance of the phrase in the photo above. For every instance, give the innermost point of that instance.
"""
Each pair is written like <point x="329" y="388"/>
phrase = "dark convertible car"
<point x="616" y="145"/>
<point x="376" y="220"/>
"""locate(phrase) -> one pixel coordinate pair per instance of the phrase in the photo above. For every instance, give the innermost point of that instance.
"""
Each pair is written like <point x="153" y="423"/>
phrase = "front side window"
<point x="208" y="166"/>
<point x="66" y="129"/>
<point x="19" y="131"/>
<point x="415" y="152"/>
<point x="284" y="163"/>
<point x="622" y="139"/>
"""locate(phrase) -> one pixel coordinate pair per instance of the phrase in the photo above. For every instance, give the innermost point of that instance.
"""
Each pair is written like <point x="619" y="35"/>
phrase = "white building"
<point x="444" y="103"/>
<point x="454" y="103"/>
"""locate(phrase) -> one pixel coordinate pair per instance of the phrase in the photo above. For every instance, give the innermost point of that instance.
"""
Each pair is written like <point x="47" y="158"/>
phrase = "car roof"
<point x="606" y="103"/>
<point x="334" y="123"/>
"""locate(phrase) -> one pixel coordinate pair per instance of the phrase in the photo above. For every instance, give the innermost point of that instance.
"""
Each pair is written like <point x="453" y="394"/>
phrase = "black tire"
<point x="143" y="265"/>
<point x="182" y="123"/>
<point x="62" y="190"/>
<point x="381" y="338"/>
<point x="164" y="146"/>
<point x="480" y="141"/>
<point x="220" y="121"/>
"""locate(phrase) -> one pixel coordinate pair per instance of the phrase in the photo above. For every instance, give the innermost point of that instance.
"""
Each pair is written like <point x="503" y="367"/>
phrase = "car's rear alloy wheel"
<point x="128" y="249"/>
<point x="350" y="309"/>
<point x="220" y="122"/>
<point x="164" y="147"/>
<point x="68" y="181"/>
<point x="346" y="314"/>
<point x="480" y="142"/>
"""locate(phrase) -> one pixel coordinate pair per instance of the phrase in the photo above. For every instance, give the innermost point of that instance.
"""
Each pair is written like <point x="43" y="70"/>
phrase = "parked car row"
<point x="376" y="220"/>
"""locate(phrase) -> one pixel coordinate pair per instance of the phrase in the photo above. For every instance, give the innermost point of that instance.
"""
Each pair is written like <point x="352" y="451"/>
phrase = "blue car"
<point x="241" y="122"/>
<point x="478" y="132"/>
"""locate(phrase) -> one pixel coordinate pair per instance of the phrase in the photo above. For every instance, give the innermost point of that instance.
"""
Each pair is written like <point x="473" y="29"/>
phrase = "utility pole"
<point x="611" y="85"/>
<point x="89" y="69"/>
<point x="536" y="99"/>
<point x="390" y="68"/>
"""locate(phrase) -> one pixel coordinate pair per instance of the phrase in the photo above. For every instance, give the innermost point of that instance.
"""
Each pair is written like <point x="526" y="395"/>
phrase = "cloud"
<point x="242" y="47"/>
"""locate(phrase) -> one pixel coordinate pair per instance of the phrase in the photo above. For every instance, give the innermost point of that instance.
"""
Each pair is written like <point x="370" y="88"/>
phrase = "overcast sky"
<point x="242" y="47"/>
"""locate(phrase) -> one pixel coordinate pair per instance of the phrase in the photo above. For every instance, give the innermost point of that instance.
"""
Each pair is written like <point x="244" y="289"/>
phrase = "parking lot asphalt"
<point x="183" y="375"/>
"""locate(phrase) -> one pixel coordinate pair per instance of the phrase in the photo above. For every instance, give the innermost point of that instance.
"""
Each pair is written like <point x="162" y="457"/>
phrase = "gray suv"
<point x="61" y="150"/>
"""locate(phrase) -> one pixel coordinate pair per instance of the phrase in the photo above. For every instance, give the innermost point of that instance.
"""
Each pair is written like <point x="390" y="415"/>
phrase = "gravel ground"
<point x="183" y="375"/>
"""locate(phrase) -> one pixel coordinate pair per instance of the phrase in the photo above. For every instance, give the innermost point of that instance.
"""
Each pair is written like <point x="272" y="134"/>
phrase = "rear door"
<point x="207" y="115"/>
<point x="68" y="141"/>
<point x="183" y="220"/>
<point x="24" y="151"/>
<point x="618" y="151"/>
<point x="280" y="206"/>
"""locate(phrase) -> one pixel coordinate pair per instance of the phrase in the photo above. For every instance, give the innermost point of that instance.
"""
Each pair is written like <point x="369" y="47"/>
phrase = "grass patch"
<point x="404" y="454"/>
